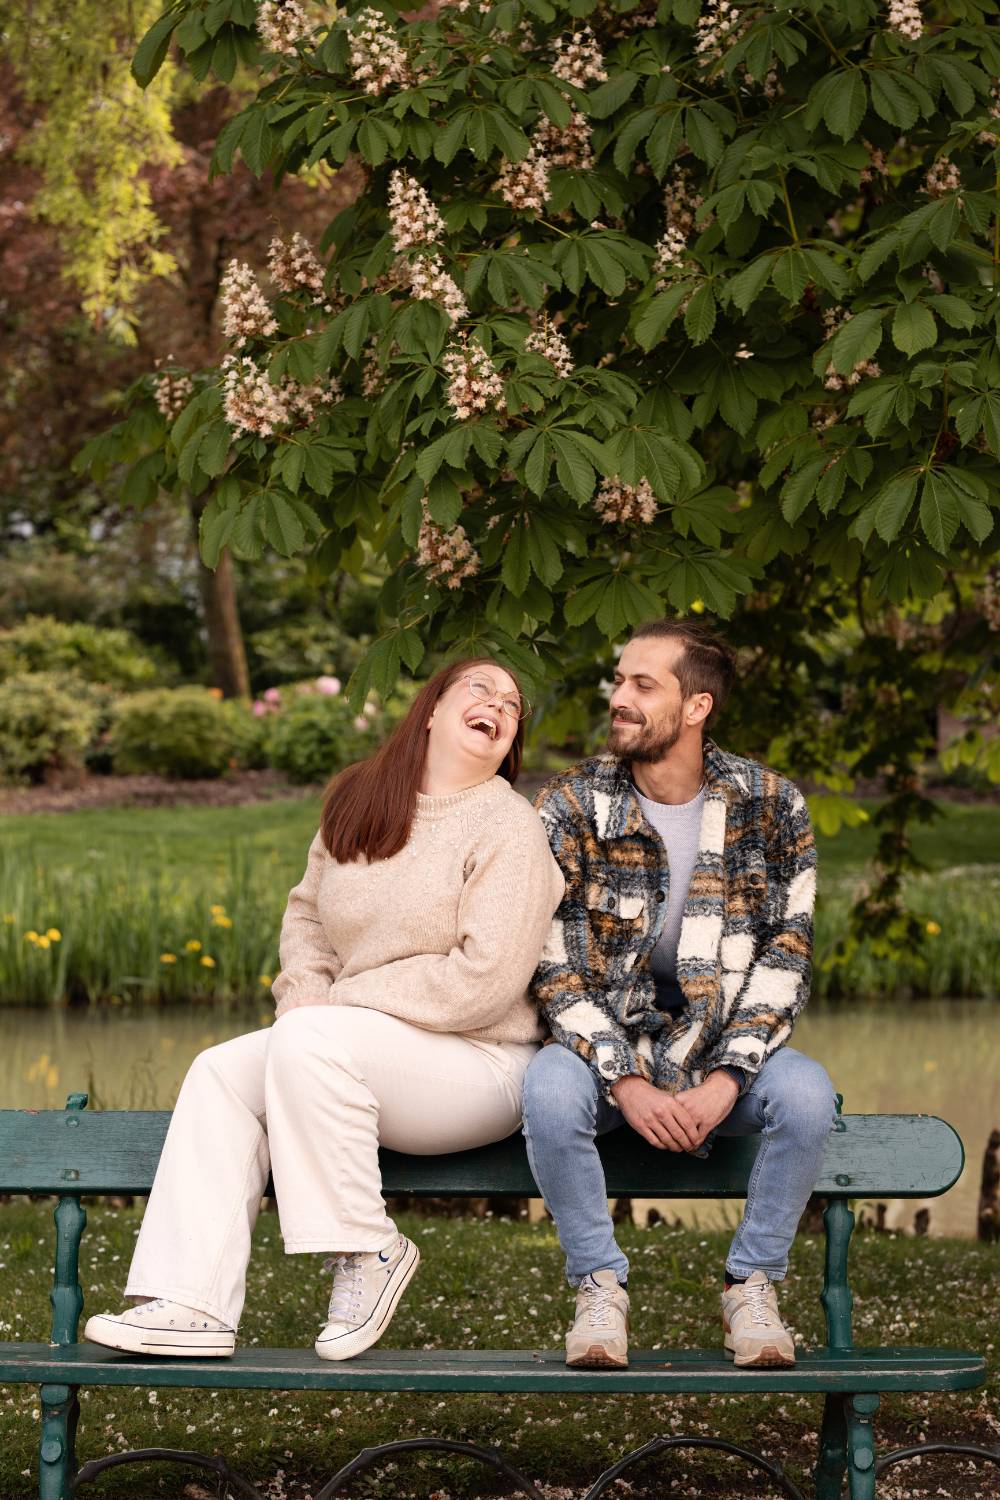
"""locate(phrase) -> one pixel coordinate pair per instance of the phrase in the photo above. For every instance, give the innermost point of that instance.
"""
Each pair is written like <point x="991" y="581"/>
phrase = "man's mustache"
<point x="622" y="716"/>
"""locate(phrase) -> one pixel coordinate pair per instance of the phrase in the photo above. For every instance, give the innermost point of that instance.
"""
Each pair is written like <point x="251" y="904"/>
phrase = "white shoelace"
<point x="756" y="1300"/>
<point x="599" y="1306"/>
<point x="345" y="1298"/>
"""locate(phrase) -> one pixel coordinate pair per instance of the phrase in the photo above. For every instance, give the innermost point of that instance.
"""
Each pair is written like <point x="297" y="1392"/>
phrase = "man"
<point x="675" y="967"/>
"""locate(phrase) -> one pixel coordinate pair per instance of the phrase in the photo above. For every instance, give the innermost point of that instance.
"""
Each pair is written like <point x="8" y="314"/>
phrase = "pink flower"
<point x="272" y="695"/>
<point x="259" y="708"/>
<point x="361" y="724"/>
<point x="330" y="686"/>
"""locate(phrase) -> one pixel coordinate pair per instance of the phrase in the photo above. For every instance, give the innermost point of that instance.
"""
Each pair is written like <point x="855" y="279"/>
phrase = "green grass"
<point x="126" y="886"/>
<point x="179" y="838"/>
<point x="499" y="1284"/>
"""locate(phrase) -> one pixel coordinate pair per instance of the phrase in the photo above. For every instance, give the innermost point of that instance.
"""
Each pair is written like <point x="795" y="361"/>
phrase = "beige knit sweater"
<point x="445" y="934"/>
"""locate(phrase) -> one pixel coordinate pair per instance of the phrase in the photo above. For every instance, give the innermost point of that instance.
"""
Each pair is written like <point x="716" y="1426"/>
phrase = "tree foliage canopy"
<point x="685" y="307"/>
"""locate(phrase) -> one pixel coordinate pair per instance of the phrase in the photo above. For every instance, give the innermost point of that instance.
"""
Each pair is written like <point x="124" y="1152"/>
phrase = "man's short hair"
<point x="707" y="663"/>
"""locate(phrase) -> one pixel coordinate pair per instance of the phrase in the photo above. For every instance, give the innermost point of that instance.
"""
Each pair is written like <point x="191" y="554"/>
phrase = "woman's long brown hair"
<point x="368" y="808"/>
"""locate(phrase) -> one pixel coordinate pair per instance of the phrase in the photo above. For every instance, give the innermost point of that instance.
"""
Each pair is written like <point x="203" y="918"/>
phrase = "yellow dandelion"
<point x="697" y="606"/>
<point x="54" y="934"/>
<point x="216" y="910"/>
<point x="222" y="921"/>
<point x="207" y="961"/>
<point x="168" y="958"/>
<point x="192" y="946"/>
<point x="934" y="928"/>
<point x="44" y="942"/>
<point x="265" y="978"/>
<point x="31" y="936"/>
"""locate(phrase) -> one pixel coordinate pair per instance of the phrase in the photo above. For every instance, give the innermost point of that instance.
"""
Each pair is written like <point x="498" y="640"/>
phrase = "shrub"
<point x="46" y="725"/>
<point x="182" y="732"/>
<point x="250" y="735"/>
<point x="92" y="652"/>
<point x="314" y="733"/>
<point x="289" y="652"/>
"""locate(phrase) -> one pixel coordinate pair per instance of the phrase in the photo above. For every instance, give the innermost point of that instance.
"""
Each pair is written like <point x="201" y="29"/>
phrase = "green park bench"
<point x="74" y="1153"/>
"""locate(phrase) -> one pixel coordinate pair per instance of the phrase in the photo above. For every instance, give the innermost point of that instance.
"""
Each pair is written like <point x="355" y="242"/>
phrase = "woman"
<point x="403" y="1020"/>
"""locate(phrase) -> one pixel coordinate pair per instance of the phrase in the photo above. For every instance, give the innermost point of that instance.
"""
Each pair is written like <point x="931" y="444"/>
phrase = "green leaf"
<point x="572" y="466"/>
<point x="378" y="670"/>
<point x="516" y="561"/>
<point x="790" y="275"/>
<point x="544" y="551"/>
<point x="703" y="135"/>
<point x="538" y="464"/>
<point x="892" y="101"/>
<point x="745" y="288"/>
<point x="281" y="524"/>
<point x="893" y="504"/>
<point x="585" y="601"/>
<point x="799" y="488"/>
<point x="664" y="141"/>
<point x="845" y="104"/>
<point x="651" y="325"/>
<point x="699" y="320"/>
<point x="939" y="513"/>
<point x="214" y="448"/>
<point x="955" y="312"/>
<point x="152" y="50"/>
<point x="214" y="527"/>
<point x="913" y="328"/>
<point x="856" y="341"/>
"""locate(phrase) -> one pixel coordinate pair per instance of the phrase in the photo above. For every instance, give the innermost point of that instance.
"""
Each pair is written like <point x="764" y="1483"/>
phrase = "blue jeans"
<point x="790" y="1102"/>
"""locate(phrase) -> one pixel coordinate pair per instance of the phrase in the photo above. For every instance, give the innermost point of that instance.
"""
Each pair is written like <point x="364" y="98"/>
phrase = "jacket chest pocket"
<point x="613" y="914"/>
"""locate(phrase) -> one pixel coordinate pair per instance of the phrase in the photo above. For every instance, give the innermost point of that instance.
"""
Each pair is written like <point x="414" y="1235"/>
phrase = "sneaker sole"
<point x="768" y="1358"/>
<point x="350" y="1345"/>
<point x="597" y="1358"/>
<point x="163" y="1342"/>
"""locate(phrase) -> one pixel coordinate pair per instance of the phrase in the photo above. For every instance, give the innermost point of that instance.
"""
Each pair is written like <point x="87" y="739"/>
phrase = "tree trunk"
<point x="988" y="1222"/>
<point x="226" y="651"/>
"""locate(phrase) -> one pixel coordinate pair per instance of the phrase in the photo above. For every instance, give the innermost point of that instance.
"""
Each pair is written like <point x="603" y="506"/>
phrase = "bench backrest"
<point x="75" y="1151"/>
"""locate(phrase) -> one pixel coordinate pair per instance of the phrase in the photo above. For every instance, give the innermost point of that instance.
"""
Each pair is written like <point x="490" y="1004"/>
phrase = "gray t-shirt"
<point x="679" y="826"/>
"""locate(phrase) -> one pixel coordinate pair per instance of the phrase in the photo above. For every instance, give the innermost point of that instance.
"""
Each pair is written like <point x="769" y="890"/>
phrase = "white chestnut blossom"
<point x="670" y="248"/>
<point x="580" y="59"/>
<point x="942" y="177"/>
<point x="282" y="23"/>
<point x="293" y="267"/>
<point x="172" y="391"/>
<point x="621" y="504"/>
<point x="473" y="382"/>
<point x="377" y="59"/>
<point x="565" y="145"/>
<point x="716" y="27"/>
<point x="525" y="184"/>
<point x="430" y="282"/>
<point x="834" y="319"/>
<point x="681" y="200"/>
<point x="413" y="216"/>
<point x="252" y="404"/>
<point x="446" y="555"/>
<point x="989" y="137"/>
<point x="906" y="20"/>
<point x="372" y="374"/>
<point x="245" y="310"/>
<point x="551" y="345"/>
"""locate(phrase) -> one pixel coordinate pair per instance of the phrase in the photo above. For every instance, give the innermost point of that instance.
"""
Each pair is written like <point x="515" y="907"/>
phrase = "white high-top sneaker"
<point x="754" y="1334"/>
<point x="366" y="1289"/>
<point x="162" y="1327"/>
<point x="599" y="1336"/>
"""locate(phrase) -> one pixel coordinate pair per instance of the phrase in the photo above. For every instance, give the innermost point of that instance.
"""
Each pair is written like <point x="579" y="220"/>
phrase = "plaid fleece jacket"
<point x="745" y="947"/>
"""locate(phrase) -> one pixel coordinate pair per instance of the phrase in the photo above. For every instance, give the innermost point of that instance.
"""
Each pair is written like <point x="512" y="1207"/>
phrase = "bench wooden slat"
<point x="897" y="1156"/>
<point x="855" y="1370"/>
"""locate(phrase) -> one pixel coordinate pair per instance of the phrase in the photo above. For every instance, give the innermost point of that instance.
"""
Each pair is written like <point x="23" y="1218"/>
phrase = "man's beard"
<point x="650" y="744"/>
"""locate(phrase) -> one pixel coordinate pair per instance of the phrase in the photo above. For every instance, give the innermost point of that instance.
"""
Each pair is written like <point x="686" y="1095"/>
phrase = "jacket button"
<point x="612" y="903"/>
<point x="661" y="895"/>
<point x="753" y="1057"/>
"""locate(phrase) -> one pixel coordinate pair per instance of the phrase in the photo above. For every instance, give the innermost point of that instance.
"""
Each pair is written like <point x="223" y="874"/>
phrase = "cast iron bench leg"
<point x="858" y="1414"/>
<point x="57" y="1449"/>
<point x="832" y="1463"/>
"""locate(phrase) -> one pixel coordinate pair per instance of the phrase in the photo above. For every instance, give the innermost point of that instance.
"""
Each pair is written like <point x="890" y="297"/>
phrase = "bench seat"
<point x="650" y="1370"/>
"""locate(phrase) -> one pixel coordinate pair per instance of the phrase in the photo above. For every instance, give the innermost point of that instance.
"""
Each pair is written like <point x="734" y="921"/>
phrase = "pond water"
<point x="931" y="1057"/>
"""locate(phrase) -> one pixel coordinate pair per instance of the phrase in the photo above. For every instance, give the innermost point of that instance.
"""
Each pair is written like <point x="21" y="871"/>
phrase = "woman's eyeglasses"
<point x="484" y="688"/>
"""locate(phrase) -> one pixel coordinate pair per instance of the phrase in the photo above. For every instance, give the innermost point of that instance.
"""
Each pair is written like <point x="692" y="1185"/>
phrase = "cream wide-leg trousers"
<point x="311" y="1097"/>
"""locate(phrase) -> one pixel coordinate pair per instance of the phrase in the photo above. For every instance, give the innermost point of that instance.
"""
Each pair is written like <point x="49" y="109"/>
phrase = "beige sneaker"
<point x="367" y="1286"/>
<point x="754" y="1332"/>
<point x="599" y="1336"/>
